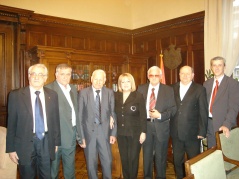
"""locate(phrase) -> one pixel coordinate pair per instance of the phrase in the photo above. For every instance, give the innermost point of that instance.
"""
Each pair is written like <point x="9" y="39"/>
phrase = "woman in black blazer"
<point x="131" y="124"/>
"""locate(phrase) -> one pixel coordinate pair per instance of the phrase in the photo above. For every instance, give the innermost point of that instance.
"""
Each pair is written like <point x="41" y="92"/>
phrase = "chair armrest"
<point x="191" y="176"/>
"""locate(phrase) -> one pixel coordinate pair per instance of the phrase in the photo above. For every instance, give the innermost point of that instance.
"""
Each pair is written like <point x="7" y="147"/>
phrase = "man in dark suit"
<point x="223" y="108"/>
<point x="96" y="105"/>
<point x="69" y="122"/>
<point x="189" y="124"/>
<point x="159" y="111"/>
<point x="33" y="132"/>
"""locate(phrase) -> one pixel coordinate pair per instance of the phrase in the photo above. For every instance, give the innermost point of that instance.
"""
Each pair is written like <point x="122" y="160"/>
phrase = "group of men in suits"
<point x="202" y="111"/>
<point x="186" y="110"/>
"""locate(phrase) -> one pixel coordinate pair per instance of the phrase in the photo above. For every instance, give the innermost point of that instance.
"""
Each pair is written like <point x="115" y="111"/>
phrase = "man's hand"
<point x="13" y="156"/>
<point x="83" y="145"/>
<point x="154" y="114"/>
<point x="56" y="149"/>
<point x="225" y="131"/>
<point x="200" y="137"/>
<point x="111" y="122"/>
<point x="112" y="139"/>
<point x="142" y="137"/>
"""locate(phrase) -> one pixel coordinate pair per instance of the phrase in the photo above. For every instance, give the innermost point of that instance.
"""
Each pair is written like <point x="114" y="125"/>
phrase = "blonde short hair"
<point x="131" y="79"/>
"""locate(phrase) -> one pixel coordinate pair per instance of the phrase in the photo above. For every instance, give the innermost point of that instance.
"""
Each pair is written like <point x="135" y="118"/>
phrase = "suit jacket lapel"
<point x="145" y="91"/>
<point x="190" y="90"/>
<point x="130" y="98"/>
<point x="104" y="99"/>
<point x="177" y="92"/>
<point x="221" y="88"/>
<point x="60" y="93"/>
<point x="26" y="99"/>
<point x="91" y="97"/>
<point x="47" y="102"/>
<point x="209" y="89"/>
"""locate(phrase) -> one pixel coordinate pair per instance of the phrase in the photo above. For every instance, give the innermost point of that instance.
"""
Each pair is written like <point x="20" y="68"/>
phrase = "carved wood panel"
<point x="7" y="76"/>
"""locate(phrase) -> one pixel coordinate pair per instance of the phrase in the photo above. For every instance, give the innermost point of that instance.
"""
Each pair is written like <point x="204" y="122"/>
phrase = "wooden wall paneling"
<point x="184" y="32"/>
<point x="198" y="64"/>
<point x="138" y="46"/>
<point x="59" y="40"/>
<point x="78" y="43"/>
<point x="110" y="46"/>
<point x="138" y="68"/>
<point x="7" y="69"/>
<point x="124" y="47"/>
<point x="79" y="39"/>
<point x="36" y="38"/>
<point x="51" y="57"/>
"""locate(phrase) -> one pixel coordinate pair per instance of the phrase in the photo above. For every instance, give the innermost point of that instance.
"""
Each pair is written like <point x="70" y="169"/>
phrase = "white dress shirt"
<point x="66" y="90"/>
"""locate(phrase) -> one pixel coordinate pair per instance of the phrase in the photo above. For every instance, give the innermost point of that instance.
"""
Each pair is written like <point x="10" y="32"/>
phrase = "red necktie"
<point x="214" y="95"/>
<point x="152" y="101"/>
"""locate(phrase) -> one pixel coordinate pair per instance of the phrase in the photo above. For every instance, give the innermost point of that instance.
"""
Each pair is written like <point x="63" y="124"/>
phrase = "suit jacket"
<point x="131" y="115"/>
<point x="226" y="104"/>
<point x="165" y="104"/>
<point x="20" y="123"/>
<point x="87" y="114"/>
<point x="65" y="111"/>
<point x="191" y="117"/>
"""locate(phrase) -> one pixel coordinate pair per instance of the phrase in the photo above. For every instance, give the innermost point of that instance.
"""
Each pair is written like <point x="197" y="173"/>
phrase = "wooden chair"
<point x="207" y="165"/>
<point x="230" y="150"/>
<point x="189" y="177"/>
<point x="8" y="169"/>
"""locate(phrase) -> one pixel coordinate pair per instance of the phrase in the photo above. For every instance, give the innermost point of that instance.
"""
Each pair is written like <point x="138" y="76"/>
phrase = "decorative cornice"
<point x="8" y="14"/>
<point x="169" y="24"/>
<point x="91" y="27"/>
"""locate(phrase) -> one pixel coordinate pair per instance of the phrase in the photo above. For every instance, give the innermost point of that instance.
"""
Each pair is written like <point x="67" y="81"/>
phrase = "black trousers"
<point x="190" y="147"/>
<point x="154" y="151"/>
<point x="129" y="148"/>
<point x="40" y="163"/>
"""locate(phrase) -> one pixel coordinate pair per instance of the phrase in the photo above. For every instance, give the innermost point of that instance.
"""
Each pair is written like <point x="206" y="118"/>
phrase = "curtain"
<point x="221" y="32"/>
<point x="230" y="34"/>
<point x="212" y="30"/>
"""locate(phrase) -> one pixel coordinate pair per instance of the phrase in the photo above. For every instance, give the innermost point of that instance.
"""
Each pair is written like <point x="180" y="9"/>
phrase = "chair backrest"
<point x="207" y="165"/>
<point x="229" y="146"/>
<point x="3" y="155"/>
<point x="8" y="169"/>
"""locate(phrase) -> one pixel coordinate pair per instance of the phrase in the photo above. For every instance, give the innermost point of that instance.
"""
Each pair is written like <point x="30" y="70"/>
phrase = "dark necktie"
<point x="39" y="120"/>
<point x="152" y="100"/>
<point x="214" y="95"/>
<point x="98" y="106"/>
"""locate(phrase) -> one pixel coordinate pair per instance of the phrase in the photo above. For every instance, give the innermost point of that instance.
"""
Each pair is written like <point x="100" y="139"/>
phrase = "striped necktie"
<point x="98" y="106"/>
<point x="152" y="101"/>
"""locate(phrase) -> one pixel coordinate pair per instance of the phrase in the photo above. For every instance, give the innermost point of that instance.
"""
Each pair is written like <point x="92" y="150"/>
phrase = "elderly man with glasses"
<point x="160" y="106"/>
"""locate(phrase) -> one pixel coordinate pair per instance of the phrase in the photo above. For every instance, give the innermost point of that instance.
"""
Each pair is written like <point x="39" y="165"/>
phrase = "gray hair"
<point x="99" y="70"/>
<point x="39" y="65"/>
<point x="62" y="66"/>
<point x="218" y="58"/>
<point x="155" y="68"/>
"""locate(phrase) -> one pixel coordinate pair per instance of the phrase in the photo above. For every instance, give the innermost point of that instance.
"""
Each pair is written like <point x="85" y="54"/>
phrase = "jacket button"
<point x="122" y="124"/>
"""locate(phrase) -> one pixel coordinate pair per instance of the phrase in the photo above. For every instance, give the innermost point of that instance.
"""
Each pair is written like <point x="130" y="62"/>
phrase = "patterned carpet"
<point x="81" y="172"/>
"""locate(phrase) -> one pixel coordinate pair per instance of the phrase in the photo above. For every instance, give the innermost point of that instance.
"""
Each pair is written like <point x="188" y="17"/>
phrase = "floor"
<point x="81" y="172"/>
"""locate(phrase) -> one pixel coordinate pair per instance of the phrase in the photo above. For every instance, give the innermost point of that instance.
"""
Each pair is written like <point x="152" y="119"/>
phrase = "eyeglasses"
<point x="40" y="75"/>
<point x="151" y="76"/>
